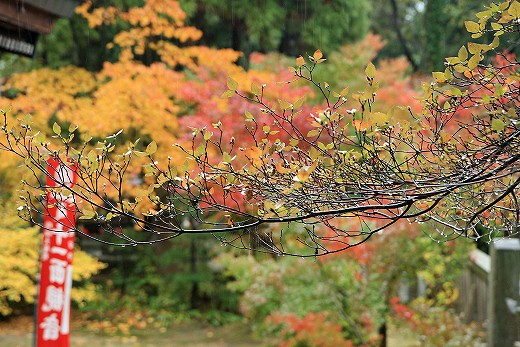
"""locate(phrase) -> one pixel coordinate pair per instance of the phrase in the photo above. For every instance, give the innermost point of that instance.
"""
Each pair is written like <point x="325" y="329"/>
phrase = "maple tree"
<point x="454" y="164"/>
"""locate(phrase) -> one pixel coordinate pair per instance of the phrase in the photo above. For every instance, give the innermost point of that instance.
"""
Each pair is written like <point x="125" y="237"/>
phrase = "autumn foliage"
<point x="315" y="329"/>
<point x="307" y="156"/>
<point x="250" y="152"/>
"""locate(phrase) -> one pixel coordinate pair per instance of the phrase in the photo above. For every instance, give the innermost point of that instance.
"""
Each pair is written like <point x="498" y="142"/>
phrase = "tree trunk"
<point x="402" y="40"/>
<point x="383" y="333"/>
<point x="194" y="297"/>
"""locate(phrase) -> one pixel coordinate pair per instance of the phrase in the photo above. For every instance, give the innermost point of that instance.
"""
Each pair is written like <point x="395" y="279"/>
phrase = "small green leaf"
<point x="456" y="91"/>
<point x="227" y="94"/>
<point x="484" y="14"/>
<point x="499" y="91"/>
<point x="370" y="71"/>
<point x="474" y="47"/>
<point x="27" y="120"/>
<point x="232" y="84"/>
<point x="88" y="214"/>
<point x="498" y="125"/>
<point x="56" y="128"/>
<point x="299" y="103"/>
<point x="284" y="104"/>
<point x="313" y="133"/>
<point x="249" y="115"/>
<point x="460" y="68"/>
<point x="453" y="60"/>
<point x="39" y="137"/>
<point x="151" y="148"/>
<point x="255" y="88"/>
<point x="226" y="157"/>
<point x="72" y="128"/>
<point x="378" y="118"/>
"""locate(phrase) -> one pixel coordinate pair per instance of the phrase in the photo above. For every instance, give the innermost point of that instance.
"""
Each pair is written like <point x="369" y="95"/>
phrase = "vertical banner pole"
<point x="53" y="305"/>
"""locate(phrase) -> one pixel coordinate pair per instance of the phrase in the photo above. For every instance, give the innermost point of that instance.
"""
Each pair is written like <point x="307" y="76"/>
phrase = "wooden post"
<point x="504" y="294"/>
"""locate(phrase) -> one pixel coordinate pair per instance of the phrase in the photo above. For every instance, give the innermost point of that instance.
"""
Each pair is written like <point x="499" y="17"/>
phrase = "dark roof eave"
<point x="60" y="8"/>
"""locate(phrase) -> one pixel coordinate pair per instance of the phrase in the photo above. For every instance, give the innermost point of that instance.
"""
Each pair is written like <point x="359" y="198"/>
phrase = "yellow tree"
<point x="19" y="251"/>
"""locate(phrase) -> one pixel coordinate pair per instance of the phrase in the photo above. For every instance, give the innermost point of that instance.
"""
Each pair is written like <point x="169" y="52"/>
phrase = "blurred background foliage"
<point x="423" y="31"/>
<point x="80" y="77"/>
<point x="19" y="254"/>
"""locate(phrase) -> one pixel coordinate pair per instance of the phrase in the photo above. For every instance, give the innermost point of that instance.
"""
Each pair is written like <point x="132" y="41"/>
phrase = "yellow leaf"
<point x="474" y="47"/>
<point x="453" y="60"/>
<point x="496" y="26"/>
<point x="317" y="55"/>
<point x="313" y="133"/>
<point x="378" y="118"/>
<point x="463" y="53"/>
<point x="255" y="88"/>
<point x="514" y="9"/>
<point x="87" y="214"/>
<point x="439" y="77"/>
<point x="495" y="43"/>
<point x="227" y="94"/>
<point x="300" y="61"/>
<point x="56" y="128"/>
<point x="473" y="61"/>
<point x="284" y="104"/>
<point x="151" y="148"/>
<point x="299" y="103"/>
<point x="232" y="84"/>
<point x="472" y="27"/>
<point x="370" y="71"/>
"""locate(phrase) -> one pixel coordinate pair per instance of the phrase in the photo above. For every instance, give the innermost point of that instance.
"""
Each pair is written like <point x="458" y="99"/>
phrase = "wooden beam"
<point x="26" y="17"/>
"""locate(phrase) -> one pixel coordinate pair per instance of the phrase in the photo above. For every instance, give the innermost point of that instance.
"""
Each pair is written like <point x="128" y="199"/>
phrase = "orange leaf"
<point x="254" y="154"/>
<point x="360" y="125"/>
<point x="281" y="169"/>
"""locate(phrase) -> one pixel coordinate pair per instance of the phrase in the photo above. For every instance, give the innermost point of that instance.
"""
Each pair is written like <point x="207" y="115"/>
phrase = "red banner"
<point x="53" y="311"/>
